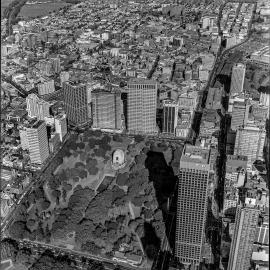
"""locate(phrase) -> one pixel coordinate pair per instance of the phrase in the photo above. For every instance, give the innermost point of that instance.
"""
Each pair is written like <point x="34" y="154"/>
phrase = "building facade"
<point x="246" y="222"/>
<point x="170" y="115"/>
<point x="237" y="79"/>
<point x="37" y="107"/>
<point x="23" y="138"/>
<point x="142" y="106"/>
<point x="46" y="88"/>
<point x="240" y="111"/>
<point x="192" y="204"/>
<point x="38" y="142"/>
<point x="60" y="122"/>
<point x="76" y="103"/>
<point x="107" y="109"/>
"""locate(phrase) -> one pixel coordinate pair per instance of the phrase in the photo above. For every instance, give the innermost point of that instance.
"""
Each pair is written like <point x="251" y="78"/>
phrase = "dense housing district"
<point x="135" y="135"/>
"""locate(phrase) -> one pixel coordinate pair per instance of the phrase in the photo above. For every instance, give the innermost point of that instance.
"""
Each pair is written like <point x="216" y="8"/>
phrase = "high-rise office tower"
<point x="38" y="141"/>
<point x="76" y="103"/>
<point x="61" y="125"/>
<point x="37" y="107"/>
<point x="238" y="78"/>
<point x="192" y="204"/>
<point x="107" y="109"/>
<point x="170" y="116"/>
<point x="240" y="110"/>
<point x="56" y="66"/>
<point x="246" y="221"/>
<point x="250" y="142"/>
<point x="142" y="105"/>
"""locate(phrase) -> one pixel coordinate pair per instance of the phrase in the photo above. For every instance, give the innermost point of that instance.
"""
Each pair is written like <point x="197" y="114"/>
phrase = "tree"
<point x="84" y="231"/>
<point x="45" y="204"/>
<point x="31" y="198"/>
<point x="54" y="182"/>
<point x="151" y="251"/>
<point x="67" y="187"/>
<point x="39" y="193"/>
<point x="17" y="229"/>
<point x="133" y="224"/>
<point x="80" y="165"/>
<point x="80" y="198"/>
<point x="122" y="179"/>
<point x="56" y="193"/>
<point x="91" y="247"/>
<point x="140" y="159"/>
<point x="91" y="166"/>
<point x="100" y="152"/>
<point x="81" y="145"/>
<point x="39" y="232"/>
<point x="117" y="138"/>
<point x="48" y="261"/>
<point x="117" y="193"/>
<point x="147" y="213"/>
<point x="140" y="230"/>
<point x="47" y="234"/>
<point x="110" y="225"/>
<point x="138" y="138"/>
<point x="24" y="256"/>
<point x="30" y="224"/>
<point x="9" y="249"/>
<point x="83" y="174"/>
<point x="138" y="201"/>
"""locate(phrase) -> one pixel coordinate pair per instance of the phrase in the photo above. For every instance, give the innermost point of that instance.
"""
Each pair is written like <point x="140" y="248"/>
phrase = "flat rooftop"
<point x="141" y="81"/>
<point x="195" y="154"/>
<point x="35" y="123"/>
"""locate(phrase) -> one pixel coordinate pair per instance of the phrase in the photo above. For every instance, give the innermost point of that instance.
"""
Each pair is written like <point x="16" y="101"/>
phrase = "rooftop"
<point x="141" y="81"/>
<point x="195" y="154"/>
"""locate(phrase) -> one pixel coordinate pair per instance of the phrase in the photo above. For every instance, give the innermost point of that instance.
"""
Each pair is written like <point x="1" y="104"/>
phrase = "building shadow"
<point x="150" y="241"/>
<point x="213" y="228"/>
<point x="165" y="183"/>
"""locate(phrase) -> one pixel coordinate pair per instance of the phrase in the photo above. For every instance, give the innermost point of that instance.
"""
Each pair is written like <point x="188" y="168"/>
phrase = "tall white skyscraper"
<point x="192" y="204"/>
<point x="250" y="142"/>
<point x="237" y="79"/>
<point x="141" y="106"/>
<point x="61" y="125"/>
<point x="246" y="222"/>
<point x="38" y="141"/>
<point x="37" y="107"/>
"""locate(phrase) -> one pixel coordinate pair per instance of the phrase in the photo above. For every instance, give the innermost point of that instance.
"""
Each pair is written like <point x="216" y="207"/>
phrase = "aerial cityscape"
<point x="135" y="134"/>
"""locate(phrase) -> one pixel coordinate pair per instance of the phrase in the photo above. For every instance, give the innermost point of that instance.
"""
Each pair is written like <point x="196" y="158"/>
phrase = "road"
<point x="77" y="255"/>
<point x="21" y="91"/>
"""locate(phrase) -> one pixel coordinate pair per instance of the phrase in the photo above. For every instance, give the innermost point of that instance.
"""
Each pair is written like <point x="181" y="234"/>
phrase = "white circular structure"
<point x="118" y="159"/>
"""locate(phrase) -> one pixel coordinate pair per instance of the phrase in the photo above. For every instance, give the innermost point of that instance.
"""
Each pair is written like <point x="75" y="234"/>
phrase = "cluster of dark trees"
<point x="31" y="226"/>
<point x="87" y="213"/>
<point x="45" y="261"/>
